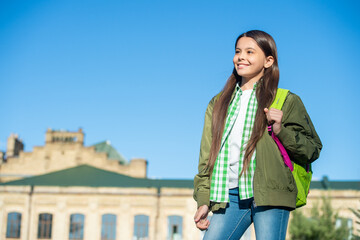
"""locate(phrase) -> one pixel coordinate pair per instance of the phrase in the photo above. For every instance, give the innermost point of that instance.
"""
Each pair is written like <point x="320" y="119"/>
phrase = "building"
<point x="89" y="202"/>
<point x="65" y="190"/>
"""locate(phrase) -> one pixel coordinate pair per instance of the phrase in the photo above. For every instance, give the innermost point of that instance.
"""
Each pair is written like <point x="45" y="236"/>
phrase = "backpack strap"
<point x="277" y="104"/>
<point x="279" y="98"/>
<point x="302" y="176"/>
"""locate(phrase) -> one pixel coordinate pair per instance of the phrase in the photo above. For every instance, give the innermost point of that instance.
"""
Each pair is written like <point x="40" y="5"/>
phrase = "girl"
<point x="242" y="177"/>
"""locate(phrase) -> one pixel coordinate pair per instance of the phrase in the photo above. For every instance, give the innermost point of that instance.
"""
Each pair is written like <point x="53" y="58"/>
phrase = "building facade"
<point x="59" y="205"/>
<point x="65" y="190"/>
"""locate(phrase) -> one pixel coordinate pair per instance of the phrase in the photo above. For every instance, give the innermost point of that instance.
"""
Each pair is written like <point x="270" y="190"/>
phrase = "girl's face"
<point x="249" y="60"/>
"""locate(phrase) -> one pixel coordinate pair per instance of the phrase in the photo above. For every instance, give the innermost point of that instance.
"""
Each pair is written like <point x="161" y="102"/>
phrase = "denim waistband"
<point x="234" y="191"/>
<point x="234" y="197"/>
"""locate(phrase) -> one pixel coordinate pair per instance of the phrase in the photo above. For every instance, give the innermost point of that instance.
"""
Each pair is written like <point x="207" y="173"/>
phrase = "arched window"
<point x="76" y="227"/>
<point x="174" y="227"/>
<point x="13" y="225"/>
<point x="108" y="227"/>
<point x="45" y="225"/>
<point x="141" y="227"/>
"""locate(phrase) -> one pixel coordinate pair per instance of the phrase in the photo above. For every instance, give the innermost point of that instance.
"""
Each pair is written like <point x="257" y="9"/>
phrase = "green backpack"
<point x="302" y="173"/>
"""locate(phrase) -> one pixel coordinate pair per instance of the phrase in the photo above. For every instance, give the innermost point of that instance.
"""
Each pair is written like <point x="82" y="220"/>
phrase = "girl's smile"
<point x="242" y="65"/>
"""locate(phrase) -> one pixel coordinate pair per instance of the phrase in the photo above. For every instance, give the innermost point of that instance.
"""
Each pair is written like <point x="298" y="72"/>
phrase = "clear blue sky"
<point x="140" y="73"/>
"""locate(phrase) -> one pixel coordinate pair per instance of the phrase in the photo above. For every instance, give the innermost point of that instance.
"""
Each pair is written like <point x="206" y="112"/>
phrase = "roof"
<point x="86" y="175"/>
<point x="111" y="152"/>
<point x="335" y="185"/>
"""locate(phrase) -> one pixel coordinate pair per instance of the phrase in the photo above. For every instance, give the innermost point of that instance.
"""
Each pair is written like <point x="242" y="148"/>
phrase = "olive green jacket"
<point x="274" y="184"/>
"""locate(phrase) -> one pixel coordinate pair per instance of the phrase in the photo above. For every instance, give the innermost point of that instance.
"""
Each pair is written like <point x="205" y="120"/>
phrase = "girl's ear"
<point x="269" y="61"/>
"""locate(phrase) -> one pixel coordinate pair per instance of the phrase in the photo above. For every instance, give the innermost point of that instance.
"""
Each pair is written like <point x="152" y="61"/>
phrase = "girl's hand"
<point x="274" y="117"/>
<point x="200" y="217"/>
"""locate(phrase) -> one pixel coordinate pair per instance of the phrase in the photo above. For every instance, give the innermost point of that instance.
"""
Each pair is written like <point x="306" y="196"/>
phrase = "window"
<point x="76" y="227"/>
<point x="45" y="225"/>
<point x="174" y="227"/>
<point x="108" y="227"/>
<point x="345" y="222"/>
<point x="141" y="227"/>
<point x="13" y="225"/>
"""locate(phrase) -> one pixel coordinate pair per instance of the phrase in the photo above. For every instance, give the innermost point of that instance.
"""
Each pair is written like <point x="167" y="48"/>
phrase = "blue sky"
<point x="140" y="73"/>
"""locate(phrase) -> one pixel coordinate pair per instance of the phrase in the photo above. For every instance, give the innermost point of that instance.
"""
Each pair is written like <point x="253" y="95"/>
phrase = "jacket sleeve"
<point x="297" y="133"/>
<point x="202" y="179"/>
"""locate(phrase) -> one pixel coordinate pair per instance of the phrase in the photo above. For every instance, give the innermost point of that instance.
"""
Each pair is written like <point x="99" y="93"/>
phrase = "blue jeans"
<point x="230" y="223"/>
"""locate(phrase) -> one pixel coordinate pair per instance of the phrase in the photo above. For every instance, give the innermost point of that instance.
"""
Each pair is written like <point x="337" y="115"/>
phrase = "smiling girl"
<point x="242" y="177"/>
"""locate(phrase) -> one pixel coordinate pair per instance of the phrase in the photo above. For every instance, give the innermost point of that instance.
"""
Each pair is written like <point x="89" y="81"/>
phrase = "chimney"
<point x="14" y="146"/>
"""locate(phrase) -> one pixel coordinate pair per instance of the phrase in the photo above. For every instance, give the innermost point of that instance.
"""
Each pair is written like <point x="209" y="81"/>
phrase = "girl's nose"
<point x="240" y="56"/>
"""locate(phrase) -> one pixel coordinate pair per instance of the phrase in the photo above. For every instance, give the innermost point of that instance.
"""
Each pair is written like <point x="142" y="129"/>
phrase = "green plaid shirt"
<point x="219" y="190"/>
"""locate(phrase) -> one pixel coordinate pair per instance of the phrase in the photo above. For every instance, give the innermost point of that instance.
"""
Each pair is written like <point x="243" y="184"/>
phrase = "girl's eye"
<point x="250" y="52"/>
<point x="237" y="51"/>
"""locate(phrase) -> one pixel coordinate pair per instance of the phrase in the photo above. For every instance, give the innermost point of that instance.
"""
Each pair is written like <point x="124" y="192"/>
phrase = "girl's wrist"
<point x="276" y="128"/>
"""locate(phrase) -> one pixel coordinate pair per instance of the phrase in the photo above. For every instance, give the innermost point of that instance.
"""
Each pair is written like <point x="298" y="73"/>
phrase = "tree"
<point x="321" y="224"/>
<point x="357" y="214"/>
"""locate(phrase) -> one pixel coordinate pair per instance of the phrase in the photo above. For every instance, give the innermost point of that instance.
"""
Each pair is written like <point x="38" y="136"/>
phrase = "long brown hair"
<point x="265" y="93"/>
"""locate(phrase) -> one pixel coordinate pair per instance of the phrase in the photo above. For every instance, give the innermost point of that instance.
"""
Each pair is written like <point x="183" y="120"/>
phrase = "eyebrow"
<point x="245" y="48"/>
